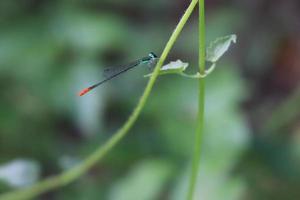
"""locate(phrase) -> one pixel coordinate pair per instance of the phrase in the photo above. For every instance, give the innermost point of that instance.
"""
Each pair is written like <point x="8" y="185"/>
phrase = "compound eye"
<point x="152" y="55"/>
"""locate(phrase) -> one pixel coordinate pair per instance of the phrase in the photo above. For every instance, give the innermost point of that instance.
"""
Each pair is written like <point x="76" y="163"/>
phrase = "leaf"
<point x="20" y="173"/>
<point x="174" y="67"/>
<point x="214" y="52"/>
<point x="217" y="48"/>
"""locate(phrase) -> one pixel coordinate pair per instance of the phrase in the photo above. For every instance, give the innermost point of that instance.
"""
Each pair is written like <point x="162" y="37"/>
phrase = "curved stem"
<point x="74" y="173"/>
<point x="201" y="103"/>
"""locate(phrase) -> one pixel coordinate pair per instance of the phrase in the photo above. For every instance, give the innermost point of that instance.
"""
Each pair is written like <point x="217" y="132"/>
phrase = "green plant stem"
<point x="201" y="103"/>
<point x="74" y="173"/>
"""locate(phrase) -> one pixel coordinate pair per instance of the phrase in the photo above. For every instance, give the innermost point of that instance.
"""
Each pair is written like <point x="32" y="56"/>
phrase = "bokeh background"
<point x="50" y="50"/>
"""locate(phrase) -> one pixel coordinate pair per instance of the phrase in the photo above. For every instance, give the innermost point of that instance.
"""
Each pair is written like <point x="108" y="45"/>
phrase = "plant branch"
<point x="201" y="104"/>
<point x="74" y="173"/>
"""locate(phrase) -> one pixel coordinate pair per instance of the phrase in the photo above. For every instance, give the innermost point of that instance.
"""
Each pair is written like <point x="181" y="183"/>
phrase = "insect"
<point x="112" y="72"/>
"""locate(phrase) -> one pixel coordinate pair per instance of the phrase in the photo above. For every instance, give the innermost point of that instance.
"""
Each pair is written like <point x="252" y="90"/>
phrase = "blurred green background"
<point x="50" y="50"/>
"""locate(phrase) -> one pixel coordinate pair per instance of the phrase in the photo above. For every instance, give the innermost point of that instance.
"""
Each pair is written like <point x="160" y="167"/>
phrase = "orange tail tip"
<point x="84" y="91"/>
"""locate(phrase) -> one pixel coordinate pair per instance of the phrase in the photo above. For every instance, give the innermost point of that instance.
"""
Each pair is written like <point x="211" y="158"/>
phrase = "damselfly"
<point x="112" y="72"/>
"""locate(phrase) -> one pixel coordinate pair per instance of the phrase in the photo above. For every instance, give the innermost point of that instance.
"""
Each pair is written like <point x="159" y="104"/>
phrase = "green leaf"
<point x="214" y="52"/>
<point x="217" y="48"/>
<point x="174" y="67"/>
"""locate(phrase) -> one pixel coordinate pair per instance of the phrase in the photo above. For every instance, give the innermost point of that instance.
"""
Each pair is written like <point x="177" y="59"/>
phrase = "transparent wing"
<point x="114" y="71"/>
